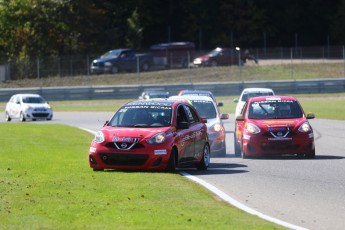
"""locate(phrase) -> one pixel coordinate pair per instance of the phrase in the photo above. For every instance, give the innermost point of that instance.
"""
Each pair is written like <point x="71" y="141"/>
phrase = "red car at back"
<point x="274" y="125"/>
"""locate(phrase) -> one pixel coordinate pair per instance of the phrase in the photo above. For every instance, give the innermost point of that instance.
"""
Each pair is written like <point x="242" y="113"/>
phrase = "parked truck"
<point x="118" y="60"/>
<point x="162" y="55"/>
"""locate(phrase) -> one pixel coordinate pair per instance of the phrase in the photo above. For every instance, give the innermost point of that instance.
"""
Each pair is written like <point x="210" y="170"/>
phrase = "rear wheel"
<point x="22" y="117"/>
<point x="205" y="160"/>
<point x="7" y="117"/>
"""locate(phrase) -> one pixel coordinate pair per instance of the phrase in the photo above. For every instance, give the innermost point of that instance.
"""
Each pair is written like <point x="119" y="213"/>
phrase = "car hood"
<point x="277" y="123"/>
<point x="35" y="105"/>
<point x="212" y="121"/>
<point x="104" y="59"/>
<point x="204" y="58"/>
<point x="127" y="134"/>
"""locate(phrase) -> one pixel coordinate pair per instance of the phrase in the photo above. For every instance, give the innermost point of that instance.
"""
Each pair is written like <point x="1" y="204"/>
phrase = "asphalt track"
<point x="305" y="193"/>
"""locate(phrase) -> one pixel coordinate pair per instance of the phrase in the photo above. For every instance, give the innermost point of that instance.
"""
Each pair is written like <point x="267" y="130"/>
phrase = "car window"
<point x="142" y="116"/>
<point x="33" y="100"/>
<point x="192" y="116"/>
<point x="274" y="110"/>
<point x="248" y="95"/>
<point x="205" y="108"/>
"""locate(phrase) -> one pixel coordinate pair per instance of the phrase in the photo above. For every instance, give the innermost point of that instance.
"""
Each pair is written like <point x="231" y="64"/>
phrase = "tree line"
<point x="39" y="28"/>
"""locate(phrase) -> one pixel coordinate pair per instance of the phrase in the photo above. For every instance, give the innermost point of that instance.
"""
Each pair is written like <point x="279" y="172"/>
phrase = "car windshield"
<point x="248" y="95"/>
<point x="214" y="52"/>
<point x="159" y="95"/>
<point x="33" y="100"/>
<point x="205" y="108"/>
<point x="275" y="110"/>
<point x="149" y="115"/>
<point x="111" y="54"/>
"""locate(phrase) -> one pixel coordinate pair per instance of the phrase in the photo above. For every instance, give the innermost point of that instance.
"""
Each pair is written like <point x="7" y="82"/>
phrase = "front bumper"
<point x="108" y="157"/>
<point x="258" y="145"/>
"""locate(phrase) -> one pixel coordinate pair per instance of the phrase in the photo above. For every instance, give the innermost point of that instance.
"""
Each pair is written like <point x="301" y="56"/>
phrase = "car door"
<point x="184" y="136"/>
<point x="15" y="107"/>
<point x="199" y="132"/>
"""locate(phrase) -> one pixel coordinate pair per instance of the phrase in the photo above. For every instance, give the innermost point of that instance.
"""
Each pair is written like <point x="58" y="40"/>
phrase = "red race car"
<point x="274" y="125"/>
<point x="156" y="134"/>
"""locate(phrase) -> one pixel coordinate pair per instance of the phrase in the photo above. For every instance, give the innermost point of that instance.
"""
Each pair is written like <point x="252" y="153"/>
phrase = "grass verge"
<point x="46" y="183"/>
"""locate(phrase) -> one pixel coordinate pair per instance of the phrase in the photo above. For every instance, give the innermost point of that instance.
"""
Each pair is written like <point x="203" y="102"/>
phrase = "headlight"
<point x="197" y="61"/>
<point x="26" y="107"/>
<point x="159" y="138"/>
<point x="217" y="127"/>
<point x="107" y="64"/>
<point x="305" y="127"/>
<point x="99" y="137"/>
<point x="251" y="128"/>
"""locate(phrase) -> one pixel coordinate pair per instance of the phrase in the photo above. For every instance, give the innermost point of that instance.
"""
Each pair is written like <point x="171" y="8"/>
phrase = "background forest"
<point x="39" y="28"/>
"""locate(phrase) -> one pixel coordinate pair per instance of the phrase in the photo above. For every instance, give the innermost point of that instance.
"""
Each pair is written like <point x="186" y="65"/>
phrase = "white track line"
<point x="237" y="204"/>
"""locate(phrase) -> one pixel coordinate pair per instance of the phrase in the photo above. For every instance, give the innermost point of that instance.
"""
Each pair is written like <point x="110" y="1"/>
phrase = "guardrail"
<point x="218" y="89"/>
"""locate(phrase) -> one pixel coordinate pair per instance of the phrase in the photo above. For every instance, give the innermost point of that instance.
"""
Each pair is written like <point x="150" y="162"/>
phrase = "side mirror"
<point x="182" y="125"/>
<point x="203" y="120"/>
<point x="240" y="118"/>
<point x="220" y="104"/>
<point x="310" y="115"/>
<point x="105" y="123"/>
<point x="224" y="116"/>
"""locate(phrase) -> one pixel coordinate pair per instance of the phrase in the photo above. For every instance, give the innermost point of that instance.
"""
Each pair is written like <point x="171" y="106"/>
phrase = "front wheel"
<point x="310" y="155"/>
<point x="205" y="160"/>
<point x="237" y="147"/>
<point x="7" y="117"/>
<point x="171" y="167"/>
<point x="22" y="117"/>
<point x="243" y="153"/>
<point x="145" y="66"/>
<point x="114" y="69"/>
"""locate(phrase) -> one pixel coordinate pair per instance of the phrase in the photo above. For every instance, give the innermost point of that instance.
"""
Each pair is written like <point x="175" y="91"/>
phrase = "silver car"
<point x="28" y="106"/>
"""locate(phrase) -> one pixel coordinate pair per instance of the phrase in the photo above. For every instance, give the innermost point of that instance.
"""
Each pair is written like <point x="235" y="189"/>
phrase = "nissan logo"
<point x="123" y="145"/>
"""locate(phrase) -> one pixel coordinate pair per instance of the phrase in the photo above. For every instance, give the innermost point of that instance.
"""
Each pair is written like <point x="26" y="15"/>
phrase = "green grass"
<point x="265" y="71"/>
<point x="46" y="183"/>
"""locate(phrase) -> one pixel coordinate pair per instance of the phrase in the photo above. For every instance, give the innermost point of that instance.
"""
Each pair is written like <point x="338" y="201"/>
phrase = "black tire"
<point x="7" y="117"/>
<point x="237" y="147"/>
<point x="214" y="63"/>
<point x="114" y="69"/>
<point x="98" y="170"/>
<point x="171" y="167"/>
<point x="243" y="153"/>
<point x="205" y="160"/>
<point x="310" y="155"/>
<point x="145" y="66"/>
<point x="22" y="117"/>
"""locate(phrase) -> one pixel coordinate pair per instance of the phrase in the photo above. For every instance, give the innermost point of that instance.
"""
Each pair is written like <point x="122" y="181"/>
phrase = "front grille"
<point x="124" y="159"/>
<point x="98" y="64"/>
<point x="120" y="145"/>
<point x="40" y="114"/>
<point x="278" y="145"/>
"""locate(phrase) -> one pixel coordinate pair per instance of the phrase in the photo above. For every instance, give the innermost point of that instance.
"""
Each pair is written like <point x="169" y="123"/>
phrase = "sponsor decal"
<point x="125" y="139"/>
<point x="160" y="152"/>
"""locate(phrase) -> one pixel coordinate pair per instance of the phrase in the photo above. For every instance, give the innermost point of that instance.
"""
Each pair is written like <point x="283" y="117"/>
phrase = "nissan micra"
<point x="274" y="125"/>
<point x="156" y="134"/>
